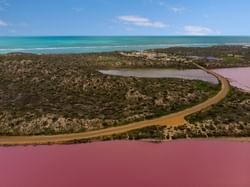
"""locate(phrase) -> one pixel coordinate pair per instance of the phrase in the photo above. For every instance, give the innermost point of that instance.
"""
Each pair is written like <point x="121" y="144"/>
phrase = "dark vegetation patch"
<point x="154" y="133"/>
<point x="230" y="118"/>
<point x="213" y="57"/>
<point x="53" y="94"/>
<point x="46" y="94"/>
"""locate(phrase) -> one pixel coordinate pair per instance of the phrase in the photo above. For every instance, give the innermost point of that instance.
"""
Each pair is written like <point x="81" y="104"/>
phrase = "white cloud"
<point x="177" y="9"/>
<point x="172" y="8"/>
<point x="198" y="30"/>
<point x="3" y="24"/>
<point x="161" y="3"/>
<point x="141" y="21"/>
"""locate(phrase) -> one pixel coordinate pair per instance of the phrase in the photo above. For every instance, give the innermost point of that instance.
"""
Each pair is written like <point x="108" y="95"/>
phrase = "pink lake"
<point x="128" y="164"/>
<point x="238" y="77"/>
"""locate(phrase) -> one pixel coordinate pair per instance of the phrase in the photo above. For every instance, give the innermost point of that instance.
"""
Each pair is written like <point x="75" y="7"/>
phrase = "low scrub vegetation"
<point x="41" y="96"/>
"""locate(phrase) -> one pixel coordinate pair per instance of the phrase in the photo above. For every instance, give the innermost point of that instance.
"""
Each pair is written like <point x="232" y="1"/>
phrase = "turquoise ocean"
<point x="86" y="44"/>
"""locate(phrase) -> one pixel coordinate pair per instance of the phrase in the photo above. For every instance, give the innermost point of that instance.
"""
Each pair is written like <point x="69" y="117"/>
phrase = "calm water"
<point x="238" y="77"/>
<point x="123" y="164"/>
<point x="192" y="74"/>
<point x="101" y="44"/>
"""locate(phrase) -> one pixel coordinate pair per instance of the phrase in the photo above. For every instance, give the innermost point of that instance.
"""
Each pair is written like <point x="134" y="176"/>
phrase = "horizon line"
<point x="124" y="36"/>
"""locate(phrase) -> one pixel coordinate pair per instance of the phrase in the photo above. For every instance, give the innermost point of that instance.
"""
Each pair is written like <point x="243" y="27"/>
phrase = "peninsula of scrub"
<point x="56" y="94"/>
<point x="40" y="97"/>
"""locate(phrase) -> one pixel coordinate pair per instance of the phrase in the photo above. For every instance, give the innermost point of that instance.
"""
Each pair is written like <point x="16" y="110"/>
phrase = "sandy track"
<point x="174" y="119"/>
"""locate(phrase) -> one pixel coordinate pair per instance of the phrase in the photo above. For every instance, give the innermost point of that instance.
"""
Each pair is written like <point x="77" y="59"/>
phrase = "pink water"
<point x="128" y="164"/>
<point x="239" y="77"/>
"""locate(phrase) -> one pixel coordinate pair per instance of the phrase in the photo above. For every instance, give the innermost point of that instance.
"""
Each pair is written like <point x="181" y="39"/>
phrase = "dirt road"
<point x="174" y="119"/>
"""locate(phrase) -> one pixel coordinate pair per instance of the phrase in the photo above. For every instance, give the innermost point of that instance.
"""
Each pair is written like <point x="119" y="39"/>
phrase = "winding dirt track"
<point x="174" y="119"/>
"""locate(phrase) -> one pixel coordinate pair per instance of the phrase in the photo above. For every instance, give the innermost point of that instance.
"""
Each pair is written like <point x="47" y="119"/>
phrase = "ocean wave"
<point x="141" y="46"/>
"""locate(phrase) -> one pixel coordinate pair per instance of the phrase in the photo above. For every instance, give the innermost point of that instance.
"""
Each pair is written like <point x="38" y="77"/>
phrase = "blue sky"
<point x="124" y="17"/>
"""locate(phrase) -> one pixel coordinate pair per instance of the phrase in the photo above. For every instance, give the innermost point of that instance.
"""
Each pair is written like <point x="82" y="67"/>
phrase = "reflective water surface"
<point x="238" y="77"/>
<point x="192" y="74"/>
<point x="123" y="164"/>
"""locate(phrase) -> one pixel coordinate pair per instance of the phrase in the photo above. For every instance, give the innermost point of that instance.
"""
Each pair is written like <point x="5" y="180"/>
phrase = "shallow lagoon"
<point x="123" y="164"/>
<point x="238" y="77"/>
<point x="192" y="74"/>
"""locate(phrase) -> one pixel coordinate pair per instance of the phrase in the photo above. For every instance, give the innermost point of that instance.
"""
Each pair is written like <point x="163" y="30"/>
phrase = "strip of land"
<point x="175" y="119"/>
